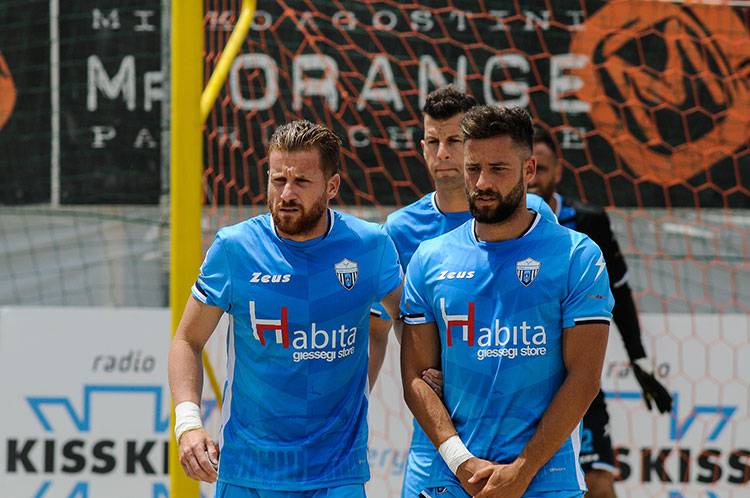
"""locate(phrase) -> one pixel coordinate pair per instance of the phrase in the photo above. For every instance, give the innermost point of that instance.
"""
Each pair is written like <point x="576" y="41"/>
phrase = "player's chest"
<point x="525" y="276"/>
<point x="297" y="275"/>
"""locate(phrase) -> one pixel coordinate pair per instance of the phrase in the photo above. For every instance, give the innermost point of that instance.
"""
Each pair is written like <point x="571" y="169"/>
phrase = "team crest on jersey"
<point x="347" y="272"/>
<point x="527" y="270"/>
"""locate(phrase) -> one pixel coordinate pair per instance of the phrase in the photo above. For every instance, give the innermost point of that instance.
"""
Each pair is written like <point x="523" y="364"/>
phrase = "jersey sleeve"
<point x="589" y="298"/>
<point x="378" y="310"/>
<point x="415" y="308"/>
<point x="391" y="274"/>
<point x="599" y="229"/>
<point x="213" y="286"/>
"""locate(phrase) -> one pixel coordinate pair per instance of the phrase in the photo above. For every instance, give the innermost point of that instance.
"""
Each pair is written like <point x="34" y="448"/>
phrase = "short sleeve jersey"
<point x="500" y="309"/>
<point x="294" y="415"/>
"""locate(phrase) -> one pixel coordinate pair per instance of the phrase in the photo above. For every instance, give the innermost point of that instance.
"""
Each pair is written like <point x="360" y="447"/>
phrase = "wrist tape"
<point x="187" y="416"/>
<point x="454" y="452"/>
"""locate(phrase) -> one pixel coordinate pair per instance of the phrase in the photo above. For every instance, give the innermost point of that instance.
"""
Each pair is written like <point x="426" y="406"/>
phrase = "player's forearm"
<point x="429" y="410"/>
<point x="185" y="372"/>
<point x="625" y="317"/>
<point x="560" y="419"/>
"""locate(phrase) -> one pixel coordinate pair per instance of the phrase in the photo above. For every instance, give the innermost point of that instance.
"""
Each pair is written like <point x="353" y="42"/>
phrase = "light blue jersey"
<point x="295" y="399"/>
<point x="501" y="308"/>
<point x="408" y="227"/>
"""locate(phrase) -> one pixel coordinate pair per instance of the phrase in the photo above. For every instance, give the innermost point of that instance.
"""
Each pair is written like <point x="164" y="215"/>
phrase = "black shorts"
<point x="596" y="445"/>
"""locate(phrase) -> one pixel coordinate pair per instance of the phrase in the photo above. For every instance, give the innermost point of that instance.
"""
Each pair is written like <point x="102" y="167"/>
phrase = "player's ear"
<point x="332" y="186"/>
<point x="558" y="172"/>
<point x="529" y="169"/>
<point x="424" y="151"/>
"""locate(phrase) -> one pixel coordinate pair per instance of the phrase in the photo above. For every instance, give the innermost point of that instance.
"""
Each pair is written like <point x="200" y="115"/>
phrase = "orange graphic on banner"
<point x="7" y="92"/>
<point x="668" y="85"/>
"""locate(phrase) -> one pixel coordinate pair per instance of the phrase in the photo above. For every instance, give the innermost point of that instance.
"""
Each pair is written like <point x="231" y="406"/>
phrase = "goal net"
<point x="649" y="103"/>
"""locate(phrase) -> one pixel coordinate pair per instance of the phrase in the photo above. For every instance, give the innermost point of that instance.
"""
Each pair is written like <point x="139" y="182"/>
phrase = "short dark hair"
<point x="486" y="121"/>
<point x="446" y="102"/>
<point x="542" y="136"/>
<point x="304" y="135"/>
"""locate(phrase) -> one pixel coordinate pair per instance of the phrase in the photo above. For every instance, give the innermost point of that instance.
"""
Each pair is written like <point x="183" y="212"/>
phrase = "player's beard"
<point x="300" y="223"/>
<point x="506" y="205"/>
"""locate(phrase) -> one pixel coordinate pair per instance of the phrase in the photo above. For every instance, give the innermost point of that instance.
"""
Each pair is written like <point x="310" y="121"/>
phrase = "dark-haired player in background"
<point x="597" y="455"/>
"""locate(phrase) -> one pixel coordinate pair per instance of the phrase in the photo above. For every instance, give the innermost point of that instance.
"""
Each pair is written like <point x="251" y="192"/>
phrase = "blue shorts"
<point x="417" y="474"/>
<point x="458" y="492"/>
<point x="224" y="490"/>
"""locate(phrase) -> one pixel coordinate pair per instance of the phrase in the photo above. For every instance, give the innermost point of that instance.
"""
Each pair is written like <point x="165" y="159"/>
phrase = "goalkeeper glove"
<point x="653" y="391"/>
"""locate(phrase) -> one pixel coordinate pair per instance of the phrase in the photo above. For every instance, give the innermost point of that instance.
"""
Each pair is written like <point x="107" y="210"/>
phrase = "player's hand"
<point x="466" y="470"/>
<point x="199" y="455"/>
<point x="434" y="379"/>
<point x="501" y="481"/>
<point x="653" y="391"/>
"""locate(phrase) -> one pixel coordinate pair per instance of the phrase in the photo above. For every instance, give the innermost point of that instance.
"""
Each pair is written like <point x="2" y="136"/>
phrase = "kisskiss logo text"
<point x="313" y="344"/>
<point x="496" y="340"/>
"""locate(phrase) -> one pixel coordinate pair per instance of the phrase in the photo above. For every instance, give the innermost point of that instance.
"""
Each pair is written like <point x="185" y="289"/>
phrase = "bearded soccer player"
<point x="515" y="310"/>
<point x="298" y="285"/>
<point x="434" y="214"/>
<point x="597" y="456"/>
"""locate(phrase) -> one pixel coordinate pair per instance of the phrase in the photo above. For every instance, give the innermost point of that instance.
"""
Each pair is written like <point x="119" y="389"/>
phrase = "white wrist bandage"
<point x="187" y="416"/>
<point x="454" y="452"/>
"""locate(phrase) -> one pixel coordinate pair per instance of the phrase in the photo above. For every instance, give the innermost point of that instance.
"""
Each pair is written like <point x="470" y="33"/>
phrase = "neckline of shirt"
<point x="304" y="243"/>
<point x="454" y="214"/>
<point x="531" y="228"/>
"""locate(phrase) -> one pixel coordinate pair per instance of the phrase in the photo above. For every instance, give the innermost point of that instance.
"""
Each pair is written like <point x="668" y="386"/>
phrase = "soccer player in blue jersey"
<point x="434" y="214"/>
<point x="597" y="454"/>
<point x="298" y="285"/>
<point x="515" y="310"/>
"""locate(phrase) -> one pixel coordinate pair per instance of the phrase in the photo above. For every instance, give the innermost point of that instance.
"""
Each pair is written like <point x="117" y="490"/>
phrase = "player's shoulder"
<point x="366" y="230"/>
<point x="244" y="230"/>
<point x="437" y="247"/>
<point x="562" y="237"/>
<point x="585" y="212"/>
<point x="537" y="203"/>
<point x="405" y="217"/>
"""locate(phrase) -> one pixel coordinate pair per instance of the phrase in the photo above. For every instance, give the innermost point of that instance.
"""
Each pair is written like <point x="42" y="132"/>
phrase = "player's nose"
<point x="287" y="192"/>
<point x="483" y="182"/>
<point x="442" y="152"/>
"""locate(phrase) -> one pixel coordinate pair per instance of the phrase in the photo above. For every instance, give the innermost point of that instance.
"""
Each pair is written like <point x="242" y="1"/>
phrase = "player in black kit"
<point x="597" y="455"/>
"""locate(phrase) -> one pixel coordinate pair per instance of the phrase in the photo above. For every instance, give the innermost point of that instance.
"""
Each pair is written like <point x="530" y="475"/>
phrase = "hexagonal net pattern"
<point x="649" y="106"/>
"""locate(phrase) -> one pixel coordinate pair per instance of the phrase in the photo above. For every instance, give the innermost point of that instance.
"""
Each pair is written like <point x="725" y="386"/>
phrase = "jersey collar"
<point x="531" y="228"/>
<point x="306" y="243"/>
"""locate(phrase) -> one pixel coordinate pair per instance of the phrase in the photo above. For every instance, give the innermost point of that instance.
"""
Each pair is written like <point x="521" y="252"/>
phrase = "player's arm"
<point x="584" y="347"/>
<point x="420" y="351"/>
<point x="625" y="314"/>
<point x="379" y="330"/>
<point x="198" y="452"/>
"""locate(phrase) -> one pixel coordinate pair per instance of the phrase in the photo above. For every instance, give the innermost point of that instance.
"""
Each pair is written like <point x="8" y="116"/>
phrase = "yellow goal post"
<point x="190" y="105"/>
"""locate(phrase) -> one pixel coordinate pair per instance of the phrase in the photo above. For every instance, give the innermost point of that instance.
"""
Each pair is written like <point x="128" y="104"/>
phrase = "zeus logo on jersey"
<point x="261" y="278"/>
<point x="497" y="340"/>
<point x="315" y="344"/>
<point x="450" y="275"/>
